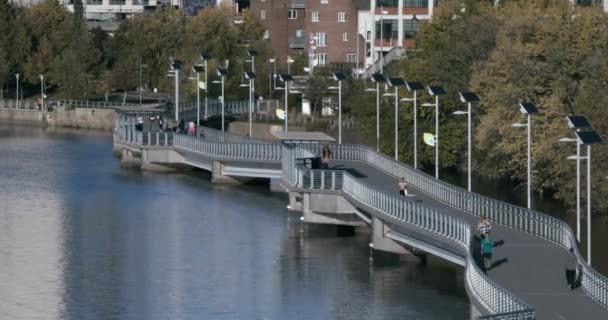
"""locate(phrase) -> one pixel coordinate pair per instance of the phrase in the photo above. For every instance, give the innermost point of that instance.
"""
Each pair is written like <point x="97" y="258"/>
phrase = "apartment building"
<point x="323" y="30"/>
<point x="116" y="10"/>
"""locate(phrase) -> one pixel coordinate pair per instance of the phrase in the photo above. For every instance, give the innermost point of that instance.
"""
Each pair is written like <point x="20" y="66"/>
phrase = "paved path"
<point x="529" y="267"/>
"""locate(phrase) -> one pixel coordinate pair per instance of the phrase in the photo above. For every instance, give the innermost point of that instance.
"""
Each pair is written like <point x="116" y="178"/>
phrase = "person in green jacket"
<point x="486" y="252"/>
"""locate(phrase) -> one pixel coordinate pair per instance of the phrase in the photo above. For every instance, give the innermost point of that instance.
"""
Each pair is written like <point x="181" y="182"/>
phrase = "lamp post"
<point x="588" y="138"/>
<point x="286" y="78"/>
<point x="205" y="56"/>
<point x="377" y="78"/>
<point x="414" y="86"/>
<point x="578" y="123"/>
<point x="250" y="75"/>
<point x="435" y="91"/>
<point x="198" y="69"/>
<point x="141" y="66"/>
<point x="222" y="73"/>
<point x="271" y="75"/>
<point x="42" y="91"/>
<point x="468" y="98"/>
<point x="528" y="109"/>
<point x="251" y="53"/>
<point x="176" y="65"/>
<point x="396" y="83"/>
<point x="339" y="76"/>
<point x="17" y="89"/>
<point x="289" y="62"/>
<point x="382" y="13"/>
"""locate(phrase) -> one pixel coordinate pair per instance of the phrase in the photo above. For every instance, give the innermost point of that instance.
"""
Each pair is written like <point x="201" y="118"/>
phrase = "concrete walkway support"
<point x="218" y="177"/>
<point x="327" y="208"/>
<point x="381" y="242"/>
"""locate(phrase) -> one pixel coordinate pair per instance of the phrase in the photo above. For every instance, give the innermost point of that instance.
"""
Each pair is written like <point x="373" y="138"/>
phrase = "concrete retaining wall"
<point x="100" y="119"/>
<point x="22" y="116"/>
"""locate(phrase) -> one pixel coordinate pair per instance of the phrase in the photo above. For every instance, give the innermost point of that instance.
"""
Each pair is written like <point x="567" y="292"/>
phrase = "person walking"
<point x="486" y="252"/>
<point x="191" y="128"/>
<point x="571" y="266"/>
<point x="325" y="155"/>
<point x="484" y="227"/>
<point x="402" y="187"/>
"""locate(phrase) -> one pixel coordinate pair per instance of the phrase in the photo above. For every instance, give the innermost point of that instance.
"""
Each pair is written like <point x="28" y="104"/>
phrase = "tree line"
<point x="46" y="39"/>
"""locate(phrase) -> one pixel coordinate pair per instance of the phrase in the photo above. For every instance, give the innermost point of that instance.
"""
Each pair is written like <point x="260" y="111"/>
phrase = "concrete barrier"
<point x="99" y="119"/>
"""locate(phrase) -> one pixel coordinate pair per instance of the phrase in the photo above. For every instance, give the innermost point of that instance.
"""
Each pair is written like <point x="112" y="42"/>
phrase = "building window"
<point x="321" y="59"/>
<point x="292" y="14"/>
<point x="351" y="57"/>
<point x="369" y="35"/>
<point x="342" y="16"/>
<point x="410" y="28"/>
<point x="415" y="3"/>
<point x="266" y="34"/>
<point x="263" y="14"/>
<point x="315" y="16"/>
<point x="321" y="37"/>
<point x="299" y="33"/>
<point x="387" y="3"/>
<point x="345" y="36"/>
<point x="324" y="1"/>
<point x="390" y="29"/>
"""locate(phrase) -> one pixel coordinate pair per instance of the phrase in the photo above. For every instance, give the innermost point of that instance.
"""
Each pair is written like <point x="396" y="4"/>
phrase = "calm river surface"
<point x="82" y="238"/>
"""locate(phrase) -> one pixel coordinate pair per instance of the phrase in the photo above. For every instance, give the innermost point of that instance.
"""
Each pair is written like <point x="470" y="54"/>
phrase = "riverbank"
<point x="81" y="118"/>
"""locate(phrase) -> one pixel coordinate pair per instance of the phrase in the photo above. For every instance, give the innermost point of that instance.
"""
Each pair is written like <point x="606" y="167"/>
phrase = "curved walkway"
<point x="527" y="266"/>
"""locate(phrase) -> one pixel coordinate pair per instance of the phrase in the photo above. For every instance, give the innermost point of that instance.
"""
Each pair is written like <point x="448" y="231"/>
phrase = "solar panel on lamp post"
<point x="339" y="76"/>
<point x="377" y="78"/>
<point x="587" y="138"/>
<point x="577" y="123"/>
<point x="286" y="78"/>
<point x="468" y="98"/>
<point x="206" y="56"/>
<point x="414" y="86"/>
<point x="528" y="108"/>
<point x="396" y="82"/>
<point x="435" y="91"/>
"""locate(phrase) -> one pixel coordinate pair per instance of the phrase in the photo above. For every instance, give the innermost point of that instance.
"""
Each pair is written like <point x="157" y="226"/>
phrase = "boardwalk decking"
<point x="527" y="266"/>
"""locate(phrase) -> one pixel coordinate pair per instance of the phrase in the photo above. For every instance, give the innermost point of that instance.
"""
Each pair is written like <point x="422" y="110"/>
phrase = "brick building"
<point x="325" y="30"/>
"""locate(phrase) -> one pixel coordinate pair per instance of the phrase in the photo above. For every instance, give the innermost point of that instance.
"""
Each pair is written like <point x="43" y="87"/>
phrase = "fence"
<point x="229" y="150"/>
<point x="19" y="104"/>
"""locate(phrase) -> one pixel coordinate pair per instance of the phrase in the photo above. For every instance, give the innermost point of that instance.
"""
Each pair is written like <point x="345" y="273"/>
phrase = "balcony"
<point x="298" y="4"/>
<point x="296" y="42"/>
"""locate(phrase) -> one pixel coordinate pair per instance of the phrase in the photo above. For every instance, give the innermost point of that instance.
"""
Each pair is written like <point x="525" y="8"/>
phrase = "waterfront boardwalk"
<point x="529" y="267"/>
<point x="527" y="278"/>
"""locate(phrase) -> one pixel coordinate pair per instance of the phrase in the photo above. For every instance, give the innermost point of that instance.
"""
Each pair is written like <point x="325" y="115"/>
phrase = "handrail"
<point x="242" y="151"/>
<point x="512" y="216"/>
<point x="490" y="295"/>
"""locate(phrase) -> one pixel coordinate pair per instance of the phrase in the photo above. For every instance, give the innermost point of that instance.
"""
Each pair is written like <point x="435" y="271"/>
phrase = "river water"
<point x="83" y="238"/>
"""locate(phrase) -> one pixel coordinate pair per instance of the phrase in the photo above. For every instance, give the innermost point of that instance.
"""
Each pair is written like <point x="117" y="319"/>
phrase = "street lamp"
<point x="198" y="69"/>
<point x="271" y="75"/>
<point x="251" y="53"/>
<point x="528" y="109"/>
<point x="205" y="56"/>
<point x="435" y="91"/>
<point x="396" y="83"/>
<point x="140" y="67"/>
<point x="382" y="13"/>
<point x="468" y="98"/>
<point x="222" y="73"/>
<point x="176" y="65"/>
<point x="42" y="91"/>
<point x="339" y="76"/>
<point x="250" y="75"/>
<point x="414" y="86"/>
<point x="17" y="92"/>
<point x="377" y="78"/>
<point x="588" y="138"/>
<point x="289" y="62"/>
<point x="286" y="78"/>
<point x="578" y="123"/>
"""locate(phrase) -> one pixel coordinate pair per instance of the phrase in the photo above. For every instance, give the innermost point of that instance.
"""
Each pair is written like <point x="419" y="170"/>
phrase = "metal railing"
<point x="188" y="110"/>
<point x="320" y="179"/>
<point x="229" y="150"/>
<point x="512" y="216"/>
<point x="88" y="104"/>
<point x="214" y="135"/>
<point x="20" y="105"/>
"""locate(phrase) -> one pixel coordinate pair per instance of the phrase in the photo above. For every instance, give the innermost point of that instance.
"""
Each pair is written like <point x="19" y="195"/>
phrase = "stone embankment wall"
<point x="85" y="118"/>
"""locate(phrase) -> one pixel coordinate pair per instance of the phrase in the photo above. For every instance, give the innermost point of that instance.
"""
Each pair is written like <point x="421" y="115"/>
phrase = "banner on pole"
<point x="280" y="114"/>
